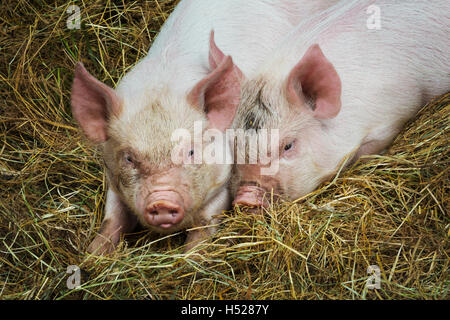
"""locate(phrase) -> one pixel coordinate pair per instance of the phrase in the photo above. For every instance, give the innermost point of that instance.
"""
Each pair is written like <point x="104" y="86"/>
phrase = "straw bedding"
<point x="388" y="211"/>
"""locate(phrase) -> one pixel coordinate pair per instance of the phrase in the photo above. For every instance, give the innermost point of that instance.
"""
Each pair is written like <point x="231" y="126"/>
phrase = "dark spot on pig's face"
<point x="255" y="112"/>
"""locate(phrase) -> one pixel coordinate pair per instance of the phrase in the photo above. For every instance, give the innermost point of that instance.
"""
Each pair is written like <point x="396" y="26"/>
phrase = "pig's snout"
<point x="164" y="209"/>
<point x="250" y="196"/>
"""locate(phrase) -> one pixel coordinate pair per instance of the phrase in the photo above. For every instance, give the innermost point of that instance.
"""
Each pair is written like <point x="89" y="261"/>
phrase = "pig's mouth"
<point x="164" y="209"/>
<point x="250" y="196"/>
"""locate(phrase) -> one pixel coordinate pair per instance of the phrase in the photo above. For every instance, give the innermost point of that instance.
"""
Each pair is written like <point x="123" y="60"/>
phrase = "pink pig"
<point x="180" y="82"/>
<point x="339" y="86"/>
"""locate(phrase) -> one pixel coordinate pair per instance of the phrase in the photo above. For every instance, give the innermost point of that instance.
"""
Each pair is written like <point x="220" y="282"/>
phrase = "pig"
<point x="179" y="83"/>
<point x="339" y="86"/>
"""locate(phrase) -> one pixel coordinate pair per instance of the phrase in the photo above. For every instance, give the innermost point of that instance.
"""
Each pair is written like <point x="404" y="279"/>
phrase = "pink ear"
<point x="92" y="104"/>
<point x="216" y="56"/>
<point x="316" y="77"/>
<point x="219" y="92"/>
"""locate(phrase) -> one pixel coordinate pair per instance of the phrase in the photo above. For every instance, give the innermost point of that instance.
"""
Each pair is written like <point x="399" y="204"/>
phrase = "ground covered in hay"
<point x="387" y="211"/>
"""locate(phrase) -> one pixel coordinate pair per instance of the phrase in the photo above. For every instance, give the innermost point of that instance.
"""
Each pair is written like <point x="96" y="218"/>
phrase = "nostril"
<point x="164" y="213"/>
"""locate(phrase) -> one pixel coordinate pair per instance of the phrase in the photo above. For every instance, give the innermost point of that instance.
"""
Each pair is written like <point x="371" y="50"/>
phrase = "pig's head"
<point x="299" y="106"/>
<point x="138" y="145"/>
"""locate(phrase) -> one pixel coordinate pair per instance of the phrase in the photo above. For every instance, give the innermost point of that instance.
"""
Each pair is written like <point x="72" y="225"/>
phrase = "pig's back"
<point x="178" y="58"/>
<point x="247" y="30"/>
<point x="410" y="50"/>
<point x="384" y="71"/>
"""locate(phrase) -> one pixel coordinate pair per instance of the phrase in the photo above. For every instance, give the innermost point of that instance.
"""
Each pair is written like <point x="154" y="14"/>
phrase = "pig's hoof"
<point x="101" y="246"/>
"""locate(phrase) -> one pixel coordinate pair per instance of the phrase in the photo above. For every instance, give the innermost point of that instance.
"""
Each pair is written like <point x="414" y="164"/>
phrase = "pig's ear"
<point x="93" y="103"/>
<point x="218" y="94"/>
<point x="216" y="56"/>
<point x="314" y="76"/>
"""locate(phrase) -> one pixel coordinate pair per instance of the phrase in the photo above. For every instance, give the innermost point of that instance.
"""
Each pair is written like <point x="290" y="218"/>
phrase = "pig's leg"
<point x="371" y="147"/>
<point x="376" y="143"/>
<point x="117" y="221"/>
<point x="208" y="216"/>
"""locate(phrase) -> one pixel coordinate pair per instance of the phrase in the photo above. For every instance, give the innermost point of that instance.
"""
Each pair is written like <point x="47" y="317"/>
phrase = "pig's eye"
<point x="191" y="153"/>
<point x="288" y="146"/>
<point x="128" y="159"/>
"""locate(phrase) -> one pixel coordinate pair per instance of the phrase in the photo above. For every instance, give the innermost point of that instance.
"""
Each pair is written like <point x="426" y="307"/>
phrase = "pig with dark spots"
<point x="181" y="83"/>
<point x="338" y="88"/>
